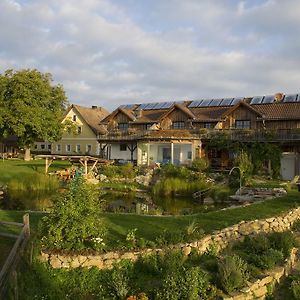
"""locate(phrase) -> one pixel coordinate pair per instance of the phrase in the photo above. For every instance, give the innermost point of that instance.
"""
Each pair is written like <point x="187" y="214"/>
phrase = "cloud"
<point x="113" y="52"/>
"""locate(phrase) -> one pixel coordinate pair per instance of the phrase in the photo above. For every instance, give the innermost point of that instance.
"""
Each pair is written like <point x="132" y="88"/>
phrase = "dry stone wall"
<point x="260" y="287"/>
<point x="219" y="238"/>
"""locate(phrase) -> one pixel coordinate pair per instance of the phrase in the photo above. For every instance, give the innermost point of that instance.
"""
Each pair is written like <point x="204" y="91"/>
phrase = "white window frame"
<point x="78" y="148"/>
<point x="58" y="147"/>
<point x="67" y="148"/>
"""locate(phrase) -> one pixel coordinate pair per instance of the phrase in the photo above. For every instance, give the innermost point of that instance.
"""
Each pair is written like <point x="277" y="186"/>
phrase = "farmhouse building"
<point x="82" y="125"/>
<point x="179" y="132"/>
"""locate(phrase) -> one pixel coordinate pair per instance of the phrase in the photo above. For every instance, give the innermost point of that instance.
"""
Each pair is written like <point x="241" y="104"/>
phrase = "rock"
<point x="186" y="250"/>
<point x="208" y="200"/>
<point x="260" y="292"/>
<point x="55" y="262"/>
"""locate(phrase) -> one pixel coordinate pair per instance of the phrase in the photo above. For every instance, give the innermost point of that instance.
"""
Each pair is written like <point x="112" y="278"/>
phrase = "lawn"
<point x="152" y="227"/>
<point x="15" y="168"/>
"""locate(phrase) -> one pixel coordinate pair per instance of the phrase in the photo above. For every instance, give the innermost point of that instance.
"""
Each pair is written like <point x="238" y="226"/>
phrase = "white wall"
<point x="117" y="154"/>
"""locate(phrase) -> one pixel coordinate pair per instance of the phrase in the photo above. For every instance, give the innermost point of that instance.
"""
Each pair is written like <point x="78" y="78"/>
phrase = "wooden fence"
<point x="9" y="266"/>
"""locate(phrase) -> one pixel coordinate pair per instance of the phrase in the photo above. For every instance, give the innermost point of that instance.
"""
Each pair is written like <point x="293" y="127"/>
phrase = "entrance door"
<point x="287" y="166"/>
<point x="166" y="155"/>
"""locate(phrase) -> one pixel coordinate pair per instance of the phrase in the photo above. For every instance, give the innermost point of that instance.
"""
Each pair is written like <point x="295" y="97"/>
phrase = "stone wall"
<point x="220" y="238"/>
<point x="260" y="287"/>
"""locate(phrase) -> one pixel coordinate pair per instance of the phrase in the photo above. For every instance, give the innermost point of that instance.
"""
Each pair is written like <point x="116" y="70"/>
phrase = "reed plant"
<point x="172" y="186"/>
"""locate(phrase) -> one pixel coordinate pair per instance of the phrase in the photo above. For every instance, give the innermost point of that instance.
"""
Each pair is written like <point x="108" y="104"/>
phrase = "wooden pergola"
<point x="85" y="161"/>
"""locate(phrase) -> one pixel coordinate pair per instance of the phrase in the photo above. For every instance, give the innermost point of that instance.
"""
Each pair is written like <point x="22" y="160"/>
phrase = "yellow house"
<point x="81" y="139"/>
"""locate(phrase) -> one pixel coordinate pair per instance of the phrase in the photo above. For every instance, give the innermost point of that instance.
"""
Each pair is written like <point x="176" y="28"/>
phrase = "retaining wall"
<point x="220" y="238"/>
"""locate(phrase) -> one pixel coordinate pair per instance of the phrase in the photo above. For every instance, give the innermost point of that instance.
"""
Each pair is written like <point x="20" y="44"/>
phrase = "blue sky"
<point x="111" y="52"/>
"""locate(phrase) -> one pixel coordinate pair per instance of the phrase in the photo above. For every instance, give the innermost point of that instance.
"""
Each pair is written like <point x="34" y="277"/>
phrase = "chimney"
<point x="278" y="97"/>
<point x="139" y="113"/>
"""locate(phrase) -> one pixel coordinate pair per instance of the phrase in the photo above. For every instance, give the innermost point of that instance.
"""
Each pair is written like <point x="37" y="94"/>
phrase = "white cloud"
<point x="111" y="52"/>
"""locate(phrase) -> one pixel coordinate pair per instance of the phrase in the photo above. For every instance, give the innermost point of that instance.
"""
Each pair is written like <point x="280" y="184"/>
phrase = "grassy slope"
<point x="150" y="227"/>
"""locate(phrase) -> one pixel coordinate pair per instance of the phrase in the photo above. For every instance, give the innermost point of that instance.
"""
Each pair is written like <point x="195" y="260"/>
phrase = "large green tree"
<point x="31" y="107"/>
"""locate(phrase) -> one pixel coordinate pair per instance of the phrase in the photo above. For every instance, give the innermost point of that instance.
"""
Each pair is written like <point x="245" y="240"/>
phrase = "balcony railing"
<point x="279" y="135"/>
<point x="205" y="134"/>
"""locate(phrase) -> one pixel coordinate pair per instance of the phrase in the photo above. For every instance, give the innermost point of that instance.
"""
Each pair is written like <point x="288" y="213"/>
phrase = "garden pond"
<point x="127" y="202"/>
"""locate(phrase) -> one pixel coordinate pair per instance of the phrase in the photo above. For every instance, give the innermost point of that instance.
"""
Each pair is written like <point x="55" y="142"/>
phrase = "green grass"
<point x="151" y="227"/>
<point x="11" y="169"/>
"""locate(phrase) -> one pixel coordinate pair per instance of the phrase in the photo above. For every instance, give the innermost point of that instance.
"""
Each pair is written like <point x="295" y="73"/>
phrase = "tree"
<point x="31" y="107"/>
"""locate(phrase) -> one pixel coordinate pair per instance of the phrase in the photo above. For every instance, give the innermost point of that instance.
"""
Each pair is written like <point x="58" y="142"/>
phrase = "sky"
<point x="113" y="52"/>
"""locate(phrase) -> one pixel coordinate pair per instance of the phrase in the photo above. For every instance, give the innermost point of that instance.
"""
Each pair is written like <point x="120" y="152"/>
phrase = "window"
<point x="178" y="124"/>
<point x="79" y="129"/>
<point x="88" y="148"/>
<point x="35" y="146"/>
<point x="189" y="155"/>
<point x="242" y="124"/>
<point x="42" y="146"/>
<point x="68" y="148"/>
<point x="49" y="147"/>
<point x="58" y="147"/>
<point x="74" y="118"/>
<point x="147" y="126"/>
<point x="123" y="147"/>
<point x="78" y="148"/>
<point x="123" y="126"/>
<point x="207" y="125"/>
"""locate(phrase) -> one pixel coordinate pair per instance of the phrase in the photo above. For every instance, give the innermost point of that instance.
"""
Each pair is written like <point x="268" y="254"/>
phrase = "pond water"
<point x="133" y="202"/>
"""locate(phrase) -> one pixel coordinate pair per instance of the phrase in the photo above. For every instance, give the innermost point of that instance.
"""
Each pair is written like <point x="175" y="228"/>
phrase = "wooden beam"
<point x="94" y="165"/>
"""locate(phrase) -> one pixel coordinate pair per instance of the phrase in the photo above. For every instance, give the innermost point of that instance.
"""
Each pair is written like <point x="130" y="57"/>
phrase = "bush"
<point x="232" y="273"/>
<point x="125" y="171"/>
<point x="282" y="241"/>
<point x="200" y="164"/>
<point x="172" y="186"/>
<point x="74" y="223"/>
<point x="170" y="170"/>
<point x="295" y="287"/>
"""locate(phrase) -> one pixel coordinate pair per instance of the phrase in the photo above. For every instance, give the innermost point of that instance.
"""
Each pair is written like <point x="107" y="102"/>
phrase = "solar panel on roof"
<point x="268" y="99"/>
<point x="215" y="102"/>
<point x="159" y="105"/>
<point x="226" y="102"/>
<point x="127" y="106"/>
<point x="167" y="104"/>
<point x="257" y="100"/>
<point x="235" y="101"/>
<point x="205" y="102"/>
<point x="143" y="106"/>
<point x="195" y="103"/>
<point x="291" y="98"/>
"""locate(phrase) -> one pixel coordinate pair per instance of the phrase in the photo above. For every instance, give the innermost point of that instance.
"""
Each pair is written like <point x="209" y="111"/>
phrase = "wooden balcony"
<point x="248" y="135"/>
<point x="244" y="135"/>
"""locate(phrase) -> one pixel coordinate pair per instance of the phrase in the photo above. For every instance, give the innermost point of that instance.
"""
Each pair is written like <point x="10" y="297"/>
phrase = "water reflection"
<point x="130" y="202"/>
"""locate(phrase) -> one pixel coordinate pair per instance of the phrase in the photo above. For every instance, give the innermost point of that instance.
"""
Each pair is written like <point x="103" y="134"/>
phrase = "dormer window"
<point x="74" y="118"/>
<point x="123" y="126"/>
<point x="178" y="125"/>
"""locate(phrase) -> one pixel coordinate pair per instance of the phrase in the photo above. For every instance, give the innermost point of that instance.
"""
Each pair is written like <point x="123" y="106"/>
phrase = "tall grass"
<point x="32" y="183"/>
<point x="172" y="186"/>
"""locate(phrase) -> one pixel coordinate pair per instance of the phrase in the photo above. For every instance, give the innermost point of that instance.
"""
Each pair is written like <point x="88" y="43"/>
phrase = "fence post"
<point x="26" y="225"/>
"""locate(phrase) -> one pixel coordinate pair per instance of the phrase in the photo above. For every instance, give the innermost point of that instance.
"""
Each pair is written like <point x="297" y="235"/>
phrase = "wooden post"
<point x="15" y="283"/>
<point x="172" y="153"/>
<point x="26" y="225"/>
<point x="85" y="167"/>
<point x="46" y="166"/>
<point x="148" y="154"/>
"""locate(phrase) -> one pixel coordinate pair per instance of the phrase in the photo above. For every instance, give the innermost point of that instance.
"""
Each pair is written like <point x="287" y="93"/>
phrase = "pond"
<point x="128" y="202"/>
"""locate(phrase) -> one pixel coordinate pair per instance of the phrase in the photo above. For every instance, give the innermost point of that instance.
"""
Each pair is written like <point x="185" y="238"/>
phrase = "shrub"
<point x="232" y="273"/>
<point x="170" y="170"/>
<point x="74" y="223"/>
<point x="200" y="164"/>
<point x="243" y="161"/>
<point x="171" y="186"/>
<point x="282" y="241"/>
<point x="295" y="287"/>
